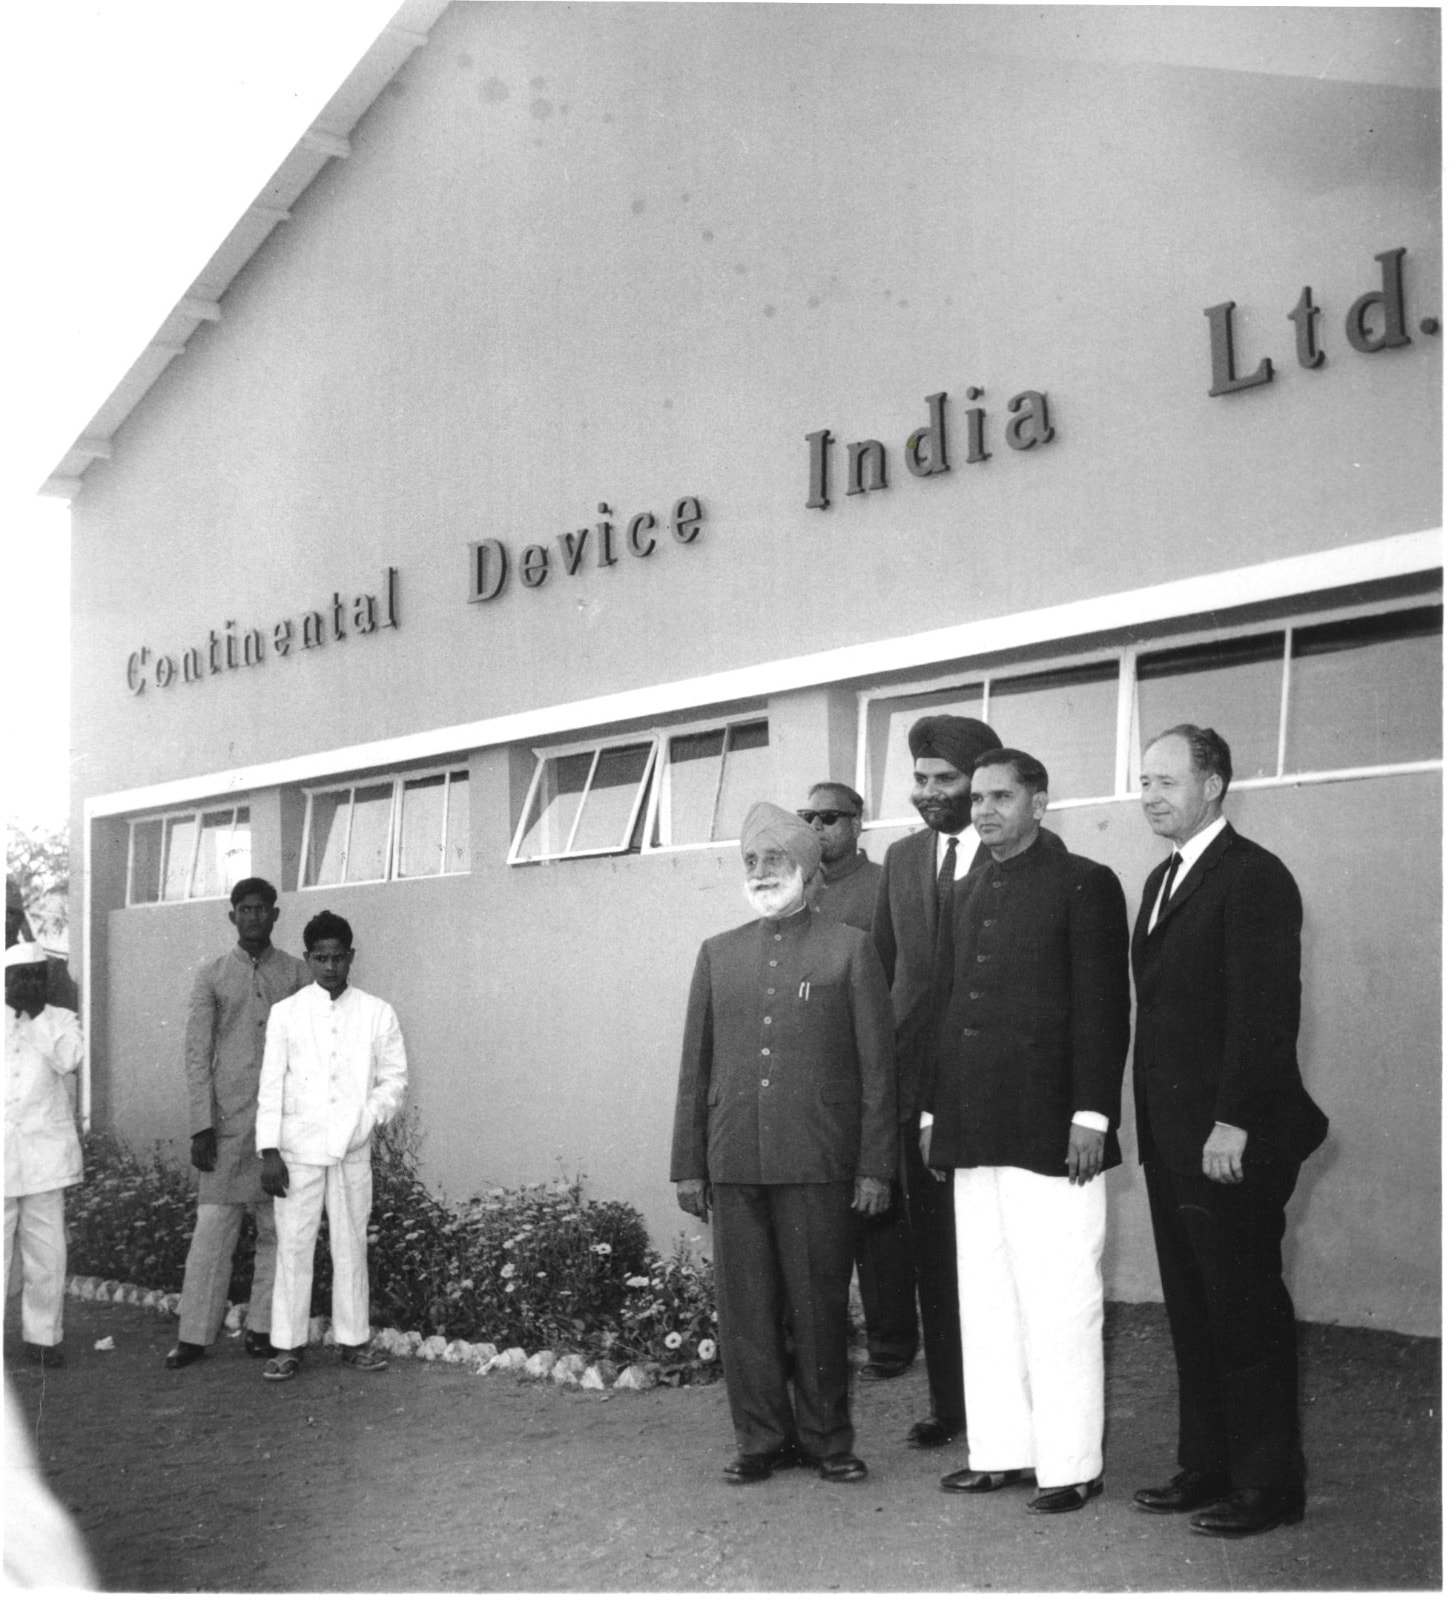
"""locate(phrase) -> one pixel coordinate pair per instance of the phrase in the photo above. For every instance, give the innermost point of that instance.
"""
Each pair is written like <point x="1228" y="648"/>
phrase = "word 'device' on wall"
<point x="490" y="565"/>
<point x="229" y="648"/>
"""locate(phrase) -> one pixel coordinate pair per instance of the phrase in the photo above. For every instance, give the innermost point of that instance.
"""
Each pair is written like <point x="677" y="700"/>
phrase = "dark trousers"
<point x="932" y="1213"/>
<point x="782" y="1262"/>
<point x="887" y="1282"/>
<point x="1219" y="1251"/>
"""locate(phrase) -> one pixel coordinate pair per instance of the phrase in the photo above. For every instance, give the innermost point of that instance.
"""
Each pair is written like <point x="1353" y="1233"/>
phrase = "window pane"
<point x="239" y="853"/>
<point x="1068" y="721"/>
<point x="556" y="803"/>
<point x="746" y="777"/>
<point x="180" y="847"/>
<point x="145" y="863"/>
<point x="694" y="773"/>
<point x="211" y="860"/>
<point x="327" y="836"/>
<point x="1366" y="691"/>
<point x="420" y="854"/>
<point x="609" y="808"/>
<point x="457" y="854"/>
<point x="1232" y="685"/>
<point x="889" y="755"/>
<point x="367" y="843"/>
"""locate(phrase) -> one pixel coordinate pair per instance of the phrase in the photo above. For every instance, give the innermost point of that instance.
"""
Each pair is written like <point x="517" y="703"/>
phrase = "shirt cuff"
<point x="1231" y="1125"/>
<point x="927" y="1119"/>
<point x="1091" y="1119"/>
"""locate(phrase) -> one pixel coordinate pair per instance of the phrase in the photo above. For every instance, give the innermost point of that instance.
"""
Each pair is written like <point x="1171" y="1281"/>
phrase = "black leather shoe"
<point x="930" y="1433"/>
<point x="1070" y="1497"/>
<point x="879" y="1368"/>
<point x="968" y="1482"/>
<point x="1190" y="1490"/>
<point x="184" y="1354"/>
<point x="842" y="1467"/>
<point x="1248" y="1511"/>
<point x="258" y="1344"/>
<point x="755" y="1466"/>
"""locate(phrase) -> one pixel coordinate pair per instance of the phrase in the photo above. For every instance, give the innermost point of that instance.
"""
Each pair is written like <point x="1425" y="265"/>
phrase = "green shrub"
<point x="540" y="1266"/>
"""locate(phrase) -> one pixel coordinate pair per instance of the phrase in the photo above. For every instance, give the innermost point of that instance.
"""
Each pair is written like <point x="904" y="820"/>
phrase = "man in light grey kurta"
<point x="226" y="1029"/>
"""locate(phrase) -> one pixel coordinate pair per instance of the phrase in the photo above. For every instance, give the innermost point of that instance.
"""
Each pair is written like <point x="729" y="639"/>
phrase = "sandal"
<point x="280" y="1368"/>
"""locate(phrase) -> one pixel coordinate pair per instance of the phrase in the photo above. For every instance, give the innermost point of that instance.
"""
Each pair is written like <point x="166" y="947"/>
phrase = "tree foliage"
<point x="38" y="860"/>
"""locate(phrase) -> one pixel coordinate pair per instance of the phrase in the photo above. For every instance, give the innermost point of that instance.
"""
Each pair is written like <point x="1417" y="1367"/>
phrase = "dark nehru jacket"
<point x="845" y="892"/>
<point x="787" y="1071"/>
<point x="1038" y="1019"/>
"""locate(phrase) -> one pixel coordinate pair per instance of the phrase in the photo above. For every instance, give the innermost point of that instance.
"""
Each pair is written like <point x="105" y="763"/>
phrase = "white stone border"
<point x="568" y="1371"/>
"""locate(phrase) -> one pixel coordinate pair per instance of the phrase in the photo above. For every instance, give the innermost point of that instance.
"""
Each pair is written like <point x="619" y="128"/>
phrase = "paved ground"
<point x="427" y="1478"/>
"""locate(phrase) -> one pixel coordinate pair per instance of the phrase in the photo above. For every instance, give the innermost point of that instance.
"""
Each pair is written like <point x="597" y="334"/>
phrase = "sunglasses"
<point x="829" y="818"/>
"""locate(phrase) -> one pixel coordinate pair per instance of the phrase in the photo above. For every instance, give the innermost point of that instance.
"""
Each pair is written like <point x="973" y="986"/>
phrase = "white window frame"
<point x="598" y="747"/>
<point x="398" y="780"/>
<point x="193" y="814"/>
<point x="1128" y="756"/>
<point x="660" y="795"/>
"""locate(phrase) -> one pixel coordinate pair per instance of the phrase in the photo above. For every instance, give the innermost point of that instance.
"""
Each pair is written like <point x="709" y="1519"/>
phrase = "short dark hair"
<point x="1029" y="771"/>
<point x="1208" y="748"/>
<point x="327" y="925"/>
<point x="843" y="790"/>
<point x="253" y="886"/>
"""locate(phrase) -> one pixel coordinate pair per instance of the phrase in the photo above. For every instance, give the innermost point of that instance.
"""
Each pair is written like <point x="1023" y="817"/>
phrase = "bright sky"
<point x="138" y="131"/>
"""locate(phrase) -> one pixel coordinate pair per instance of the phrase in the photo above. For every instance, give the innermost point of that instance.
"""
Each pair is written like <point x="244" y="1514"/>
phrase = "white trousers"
<point x="208" y="1270"/>
<point x="1029" y="1275"/>
<point x="345" y="1190"/>
<point x="39" y="1221"/>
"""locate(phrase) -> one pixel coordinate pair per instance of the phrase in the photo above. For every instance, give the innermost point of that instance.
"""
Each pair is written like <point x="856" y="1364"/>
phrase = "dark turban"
<point x="768" y="826"/>
<point x="962" y="741"/>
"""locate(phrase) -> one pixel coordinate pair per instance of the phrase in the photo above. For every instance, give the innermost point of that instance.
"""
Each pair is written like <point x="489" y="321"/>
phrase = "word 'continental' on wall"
<point x="229" y="648"/>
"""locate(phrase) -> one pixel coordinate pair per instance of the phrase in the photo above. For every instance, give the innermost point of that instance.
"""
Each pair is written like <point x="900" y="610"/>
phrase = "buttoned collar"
<point x="844" y="869"/>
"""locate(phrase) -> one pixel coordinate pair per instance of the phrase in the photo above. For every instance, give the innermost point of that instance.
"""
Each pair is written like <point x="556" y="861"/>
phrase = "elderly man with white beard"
<point x="783" y="1127"/>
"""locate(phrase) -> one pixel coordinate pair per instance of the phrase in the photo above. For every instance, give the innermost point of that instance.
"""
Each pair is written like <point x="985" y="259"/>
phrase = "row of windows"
<point x="1351" y="692"/>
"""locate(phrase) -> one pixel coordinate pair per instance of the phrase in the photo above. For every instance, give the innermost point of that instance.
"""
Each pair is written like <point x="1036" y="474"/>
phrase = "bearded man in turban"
<point x="784" y="1126"/>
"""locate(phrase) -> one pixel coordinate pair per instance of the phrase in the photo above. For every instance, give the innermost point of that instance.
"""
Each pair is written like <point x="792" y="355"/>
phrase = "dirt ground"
<point x="426" y="1478"/>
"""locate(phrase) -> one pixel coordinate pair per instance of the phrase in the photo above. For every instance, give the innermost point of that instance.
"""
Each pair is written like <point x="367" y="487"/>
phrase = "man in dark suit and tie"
<point x="917" y="881"/>
<point x="1223" y="1125"/>
<point x="785" y="1127"/>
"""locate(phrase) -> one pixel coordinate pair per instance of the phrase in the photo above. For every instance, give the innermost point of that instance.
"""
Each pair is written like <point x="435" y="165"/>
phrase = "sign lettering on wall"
<point x="1375" y="322"/>
<point x="490" y="565"/>
<point x="229" y="649"/>
<point x="925" y="451"/>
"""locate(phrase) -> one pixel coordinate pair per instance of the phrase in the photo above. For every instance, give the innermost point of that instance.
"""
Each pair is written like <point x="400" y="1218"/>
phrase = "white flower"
<point x="637" y="1283"/>
<point x="672" y="1341"/>
<point x="508" y="1270"/>
<point x="707" y="1349"/>
<point x="602" y="1249"/>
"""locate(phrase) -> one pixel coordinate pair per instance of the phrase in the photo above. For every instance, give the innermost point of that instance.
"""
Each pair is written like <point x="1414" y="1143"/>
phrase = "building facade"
<point x="655" y="408"/>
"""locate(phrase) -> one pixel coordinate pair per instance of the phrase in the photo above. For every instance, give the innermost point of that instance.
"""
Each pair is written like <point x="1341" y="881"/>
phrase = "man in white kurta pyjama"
<point x="42" y="1150"/>
<point x="333" y="1070"/>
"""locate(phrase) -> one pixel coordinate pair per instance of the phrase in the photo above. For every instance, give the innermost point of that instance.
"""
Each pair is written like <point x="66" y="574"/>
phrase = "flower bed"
<point x="538" y="1269"/>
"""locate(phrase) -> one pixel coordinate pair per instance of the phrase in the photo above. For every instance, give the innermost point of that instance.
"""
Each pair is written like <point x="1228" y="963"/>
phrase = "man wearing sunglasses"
<point x="845" y="891"/>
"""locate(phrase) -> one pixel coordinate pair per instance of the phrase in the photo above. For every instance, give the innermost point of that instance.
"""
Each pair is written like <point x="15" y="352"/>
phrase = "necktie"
<point x="1168" y="882"/>
<point x="945" y="882"/>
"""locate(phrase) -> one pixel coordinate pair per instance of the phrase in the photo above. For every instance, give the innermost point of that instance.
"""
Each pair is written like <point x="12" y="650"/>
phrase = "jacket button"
<point x="982" y="958"/>
<point x="975" y="994"/>
<point x="971" y="1032"/>
<point x="767" y="1021"/>
<point x="765" y="1051"/>
<point x="764" y="1083"/>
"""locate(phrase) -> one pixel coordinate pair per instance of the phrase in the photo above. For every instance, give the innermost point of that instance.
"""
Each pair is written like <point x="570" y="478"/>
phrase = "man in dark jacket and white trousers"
<point x="785" y="1126"/>
<point x="1025" y="1102"/>
<point x="1223" y="1125"/>
<point x="919" y="876"/>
